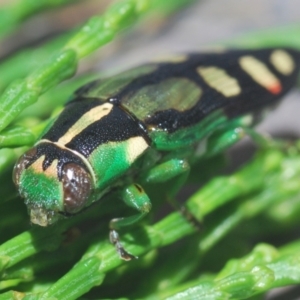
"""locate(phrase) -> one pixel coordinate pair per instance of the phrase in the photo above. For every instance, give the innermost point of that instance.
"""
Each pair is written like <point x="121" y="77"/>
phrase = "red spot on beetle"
<point x="275" y="89"/>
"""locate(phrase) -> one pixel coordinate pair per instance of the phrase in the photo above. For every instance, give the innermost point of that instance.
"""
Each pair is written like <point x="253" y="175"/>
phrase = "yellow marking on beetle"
<point x="51" y="171"/>
<point x="87" y="119"/>
<point x="282" y="61"/>
<point x="247" y="120"/>
<point x="175" y="58"/>
<point x="215" y="49"/>
<point x="220" y="80"/>
<point x="83" y="158"/>
<point x="37" y="166"/>
<point x="135" y="147"/>
<point x="260" y="73"/>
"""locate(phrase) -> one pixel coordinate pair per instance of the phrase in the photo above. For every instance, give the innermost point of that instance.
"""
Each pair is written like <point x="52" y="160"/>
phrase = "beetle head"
<point x="53" y="182"/>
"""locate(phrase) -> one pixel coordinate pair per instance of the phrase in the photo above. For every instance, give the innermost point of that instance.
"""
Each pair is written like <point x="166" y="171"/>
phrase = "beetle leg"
<point x="224" y="138"/>
<point x="167" y="170"/>
<point x="178" y="170"/>
<point x="135" y="197"/>
<point x="115" y="240"/>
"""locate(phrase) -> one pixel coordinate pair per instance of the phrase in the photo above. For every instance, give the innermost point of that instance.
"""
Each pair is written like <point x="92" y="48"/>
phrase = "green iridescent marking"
<point x="41" y="189"/>
<point x="186" y="136"/>
<point x="108" y="161"/>
<point x="177" y="93"/>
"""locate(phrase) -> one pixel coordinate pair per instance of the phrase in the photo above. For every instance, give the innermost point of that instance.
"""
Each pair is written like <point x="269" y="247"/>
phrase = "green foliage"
<point x="67" y="260"/>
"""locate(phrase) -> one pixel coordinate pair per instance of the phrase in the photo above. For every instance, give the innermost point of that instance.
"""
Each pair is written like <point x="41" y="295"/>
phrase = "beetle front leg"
<point x="135" y="197"/>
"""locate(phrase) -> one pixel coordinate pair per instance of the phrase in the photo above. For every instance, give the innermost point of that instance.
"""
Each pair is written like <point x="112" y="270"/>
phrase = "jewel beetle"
<point x="158" y="114"/>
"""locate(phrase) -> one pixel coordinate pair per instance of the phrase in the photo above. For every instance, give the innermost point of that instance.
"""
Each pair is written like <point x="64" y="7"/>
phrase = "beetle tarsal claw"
<point x="115" y="240"/>
<point x="41" y="216"/>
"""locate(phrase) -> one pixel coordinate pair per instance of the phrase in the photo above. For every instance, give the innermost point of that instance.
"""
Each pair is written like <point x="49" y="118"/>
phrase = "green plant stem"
<point x="36" y="239"/>
<point x="240" y="183"/>
<point x="27" y="270"/>
<point x="168" y="7"/>
<point x="20" y="64"/>
<point x="16" y="137"/>
<point x="263" y="269"/>
<point x="97" y="32"/>
<point x="283" y="36"/>
<point x="16" y="12"/>
<point x="103" y="256"/>
<point x="279" y="188"/>
<point x="12" y="295"/>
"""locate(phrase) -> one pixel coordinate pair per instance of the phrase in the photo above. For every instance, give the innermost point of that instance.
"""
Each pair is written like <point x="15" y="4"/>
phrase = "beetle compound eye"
<point x="77" y="184"/>
<point x="22" y="163"/>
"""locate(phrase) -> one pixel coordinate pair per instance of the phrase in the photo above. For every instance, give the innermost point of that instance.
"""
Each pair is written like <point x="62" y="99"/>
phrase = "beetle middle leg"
<point x="178" y="170"/>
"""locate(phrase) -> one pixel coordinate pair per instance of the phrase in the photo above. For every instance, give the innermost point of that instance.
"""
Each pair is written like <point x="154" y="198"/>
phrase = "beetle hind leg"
<point x="233" y="132"/>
